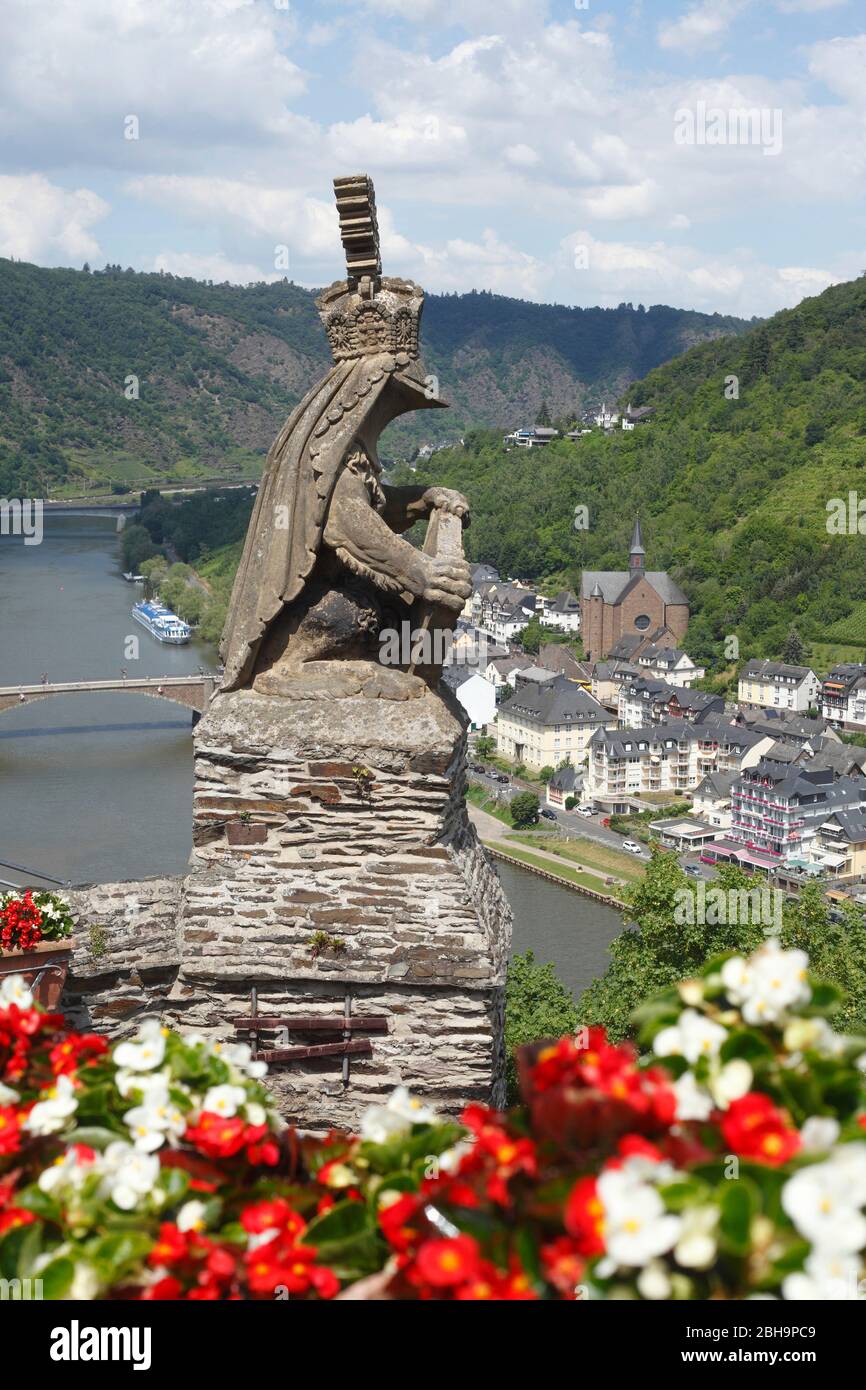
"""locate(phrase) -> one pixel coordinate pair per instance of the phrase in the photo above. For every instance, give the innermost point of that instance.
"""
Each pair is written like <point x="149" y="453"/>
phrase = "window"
<point x="642" y="622"/>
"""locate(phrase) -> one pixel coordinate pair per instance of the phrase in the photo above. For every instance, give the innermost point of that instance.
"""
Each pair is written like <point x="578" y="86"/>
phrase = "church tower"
<point x="637" y="554"/>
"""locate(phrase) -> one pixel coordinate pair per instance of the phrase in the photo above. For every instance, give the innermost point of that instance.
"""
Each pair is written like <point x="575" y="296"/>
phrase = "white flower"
<point x="69" y="1170"/>
<point x="849" y="1162"/>
<point x="637" y="1227"/>
<point x="827" y="1277"/>
<point x="450" y="1160"/>
<point x="156" y="1120"/>
<point x="412" y="1109"/>
<point x="693" y="1102"/>
<point x="7" y="1095"/>
<point x="191" y="1217"/>
<point x="819" y="1134"/>
<point x="654" y="1281"/>
<point x="693" y="1036"/>
<point x="49" y="1116"/>
<point x="146" y="1052"/>
<point x="148" y="1083"/>
<point x="129" y="1175"/>
<point x="224" y="1100"/>
<point x="379" y="1123"/>
<point x="256" y="1114"/>
<point x="239" y="1055"/>
<point x="823" y="1208"/>
<point x="769" y="983"/>
<point x="15" y="990"/>
<point x="696" y="1247"/>
<point x="732" y="1081"/>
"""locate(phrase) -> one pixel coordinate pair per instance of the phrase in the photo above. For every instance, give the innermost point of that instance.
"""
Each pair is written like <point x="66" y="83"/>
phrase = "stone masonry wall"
<point x="385" y="863"/>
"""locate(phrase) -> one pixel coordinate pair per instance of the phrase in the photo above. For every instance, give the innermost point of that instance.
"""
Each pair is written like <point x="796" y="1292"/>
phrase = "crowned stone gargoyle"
<point x="325" y="570"/>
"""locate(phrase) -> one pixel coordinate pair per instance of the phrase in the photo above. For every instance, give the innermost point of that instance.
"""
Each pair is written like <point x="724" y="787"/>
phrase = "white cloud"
<point x="214" y="267"/>
<point x="841" y="64"/>
<point x="736" y="282"/>
<point x="44" y="223"/>
<point x="702" y="26"/>
<point x="279" y="216"/>
<point x="197" y="76"/>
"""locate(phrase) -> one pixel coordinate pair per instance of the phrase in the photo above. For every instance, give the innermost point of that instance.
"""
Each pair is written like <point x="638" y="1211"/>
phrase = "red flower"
<point x="10" y="1130"/>
<point x="564" y="1264"/>
<point x="166" y="1288"/>
<point x="755" y="1128"/>
<point x="442" y="1263"/>
<point x="274" y="1215"/>
<point x="15" y="1216"/>
<point x="394" y="1221"/>
<point x="584" y="1217"/>
<point x="171" y="1247"/>
<point x="217" y="1137"/>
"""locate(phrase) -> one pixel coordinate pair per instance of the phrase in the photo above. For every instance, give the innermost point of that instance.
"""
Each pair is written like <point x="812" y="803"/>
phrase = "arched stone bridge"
<point x="192" y="691"/>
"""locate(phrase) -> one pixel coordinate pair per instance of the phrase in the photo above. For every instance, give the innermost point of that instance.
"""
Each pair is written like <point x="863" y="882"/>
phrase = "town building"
<point x="777" y="685"/>
<point x="608" y="678"/>
<point x="474" y="693"/>
<point x="625" y="764"/>
<point x="530" y="438"/>
<point x="543" y="725"/>
<point x="711" y="799"/>
<point x="563" y="612"/>
<point x="843" y="697"/>
<point x="553" y="656"/>
<point x="667" y="663"/>
<point x="502" y="610"/>
<point x="565" y="782"/>
<point x="839" y="845"/>
<point x="618" y="603"/>
<point x="645" y="701"/>
<point x="777" y="808"/>
<point x="639" y="415"/>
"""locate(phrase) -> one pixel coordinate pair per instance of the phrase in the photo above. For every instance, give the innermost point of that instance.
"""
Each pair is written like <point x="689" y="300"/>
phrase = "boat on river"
<point x="161" y="623"/>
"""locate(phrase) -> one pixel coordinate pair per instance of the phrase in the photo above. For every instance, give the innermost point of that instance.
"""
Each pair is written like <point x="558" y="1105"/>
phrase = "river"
<point x="98" y="787"/>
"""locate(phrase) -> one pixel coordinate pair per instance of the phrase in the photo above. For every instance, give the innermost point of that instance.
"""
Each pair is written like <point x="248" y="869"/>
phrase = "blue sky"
<point x="532" y="147"/>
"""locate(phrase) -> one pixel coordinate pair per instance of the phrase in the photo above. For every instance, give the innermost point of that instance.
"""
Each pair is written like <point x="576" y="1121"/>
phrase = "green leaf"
<point x="738" y="1202"/>
<point x="745" y="1043"/>
<point x="56" y="1278"/>
<point x="342" y="1222"/>
<point x="96" y="1136"/>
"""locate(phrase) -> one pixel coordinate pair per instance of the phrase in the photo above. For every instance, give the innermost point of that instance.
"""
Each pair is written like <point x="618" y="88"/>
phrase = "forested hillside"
<point x="126" y="378"/>
<point x="752" y="438"/>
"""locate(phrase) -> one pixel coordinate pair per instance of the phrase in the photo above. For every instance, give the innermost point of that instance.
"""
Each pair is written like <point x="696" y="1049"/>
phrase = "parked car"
<point x="632" y="846"/>
<point x="584" y="810"/>
<point x="548" y="814"/>
<point x="692" y="870"/>
<point x="501" y="777"/>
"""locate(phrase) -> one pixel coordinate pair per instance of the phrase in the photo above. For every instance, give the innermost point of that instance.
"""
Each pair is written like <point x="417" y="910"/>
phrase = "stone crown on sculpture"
<point x="366" y="314"/>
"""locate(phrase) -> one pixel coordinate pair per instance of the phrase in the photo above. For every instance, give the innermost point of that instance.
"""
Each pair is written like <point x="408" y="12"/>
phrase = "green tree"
<point x="537" y="1005"/>
<point x="663" y="946"/>
<point x="531" y="637"/>
<point x="524" y="809"/>
<point x="485" y="746"/>
<point x="793" y="650"/>
<point x="545" y="774"/>
<point x="135" y="547"/>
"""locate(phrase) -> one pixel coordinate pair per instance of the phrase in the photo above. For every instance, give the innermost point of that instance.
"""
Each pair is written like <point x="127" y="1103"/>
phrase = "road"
<point x="569" y="823"/>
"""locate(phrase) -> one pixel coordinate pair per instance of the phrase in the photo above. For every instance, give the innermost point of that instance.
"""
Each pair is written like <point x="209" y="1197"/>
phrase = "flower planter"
<point x="44" y="967"/>
<point x="240" y="833"/>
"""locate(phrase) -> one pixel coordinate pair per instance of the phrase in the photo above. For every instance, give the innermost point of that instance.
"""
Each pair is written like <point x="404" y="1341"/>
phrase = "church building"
<point x="635" y="603"/>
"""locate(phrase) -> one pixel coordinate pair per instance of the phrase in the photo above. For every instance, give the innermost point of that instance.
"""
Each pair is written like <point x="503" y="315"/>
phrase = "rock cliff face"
<point x="354" y="874"/>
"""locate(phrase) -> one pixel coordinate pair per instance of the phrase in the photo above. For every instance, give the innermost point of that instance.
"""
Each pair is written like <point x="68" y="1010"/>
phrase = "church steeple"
<point x="637" y="554"/>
